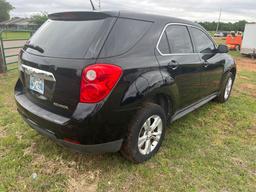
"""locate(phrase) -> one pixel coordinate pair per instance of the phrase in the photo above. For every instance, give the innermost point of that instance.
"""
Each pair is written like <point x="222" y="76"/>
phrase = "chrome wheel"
<point x="228" y="88"/>
<point x="150" y="134"/>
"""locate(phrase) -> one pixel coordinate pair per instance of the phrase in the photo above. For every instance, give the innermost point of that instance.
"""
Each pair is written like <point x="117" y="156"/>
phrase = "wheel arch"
<point x="164" y="101"/>
<point x="153" y="87"/>
<point x="233" y="71"/>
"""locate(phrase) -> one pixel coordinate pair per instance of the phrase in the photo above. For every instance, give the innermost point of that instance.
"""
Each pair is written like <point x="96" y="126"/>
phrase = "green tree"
<point x="240" y="25"/>
<point x="5" y="9"/>
<point x="237" y="26"/>
<point x="39" y="19"/>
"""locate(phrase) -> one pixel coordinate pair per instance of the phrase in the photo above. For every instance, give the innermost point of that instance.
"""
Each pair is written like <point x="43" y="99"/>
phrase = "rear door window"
<point x="124" y="35"/>
<point x="66" y="39"/>
<point x="202" y="42"/>
<point x="179" y="39"/>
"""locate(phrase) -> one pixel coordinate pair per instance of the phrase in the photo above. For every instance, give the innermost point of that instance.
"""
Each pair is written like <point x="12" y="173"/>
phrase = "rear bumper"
<point x="113" y="146"/>
<point x="26" y="105"/>
<point x="98" y="148"/>
<point x="57" y="128"/>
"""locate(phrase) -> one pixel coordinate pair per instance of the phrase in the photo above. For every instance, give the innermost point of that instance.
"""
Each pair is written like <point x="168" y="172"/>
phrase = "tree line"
<point x="212" y="26"/>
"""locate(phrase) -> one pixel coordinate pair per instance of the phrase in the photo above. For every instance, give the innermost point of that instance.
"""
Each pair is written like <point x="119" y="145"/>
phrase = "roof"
<point x="125" y="14"/>
<point x="154" y="17"/>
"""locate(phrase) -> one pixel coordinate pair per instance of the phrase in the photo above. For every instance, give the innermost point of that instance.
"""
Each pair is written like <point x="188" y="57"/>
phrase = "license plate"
<point x="36" y="84"/>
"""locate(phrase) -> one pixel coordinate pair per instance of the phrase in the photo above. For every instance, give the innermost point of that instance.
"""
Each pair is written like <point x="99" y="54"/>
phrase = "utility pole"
<point x="99" y="5"/>
<point x="218" y="25"/>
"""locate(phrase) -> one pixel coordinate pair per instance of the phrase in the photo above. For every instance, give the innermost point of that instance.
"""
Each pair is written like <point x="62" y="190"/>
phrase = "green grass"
<point x="13" y="66"/>
<point x="212" y="33"/>
<point x="211" y="149"/>
<point x="235" y="54"/>
<point x="15" y="35"/>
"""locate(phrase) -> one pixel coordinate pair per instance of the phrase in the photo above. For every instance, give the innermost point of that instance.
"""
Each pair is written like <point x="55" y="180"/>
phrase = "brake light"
<point x="97" y="82"/>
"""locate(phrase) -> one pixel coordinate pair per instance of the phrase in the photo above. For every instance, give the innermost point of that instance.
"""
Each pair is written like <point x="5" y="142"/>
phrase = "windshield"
<point x="66" y="39"/>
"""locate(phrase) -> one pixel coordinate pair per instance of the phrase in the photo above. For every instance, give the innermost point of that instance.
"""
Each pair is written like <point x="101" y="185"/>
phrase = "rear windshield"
<point x="66" y="39"/>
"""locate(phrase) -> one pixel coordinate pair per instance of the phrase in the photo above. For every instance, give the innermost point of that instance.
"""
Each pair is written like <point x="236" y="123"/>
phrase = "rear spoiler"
<point x="82" y="16"/>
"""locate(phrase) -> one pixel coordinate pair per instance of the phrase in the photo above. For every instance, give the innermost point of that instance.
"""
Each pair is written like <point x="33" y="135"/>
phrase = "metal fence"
<point x="10" y="47"/>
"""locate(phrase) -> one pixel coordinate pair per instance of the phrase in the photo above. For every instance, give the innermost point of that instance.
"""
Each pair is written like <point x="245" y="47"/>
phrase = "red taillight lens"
<point x="97" y="82"/>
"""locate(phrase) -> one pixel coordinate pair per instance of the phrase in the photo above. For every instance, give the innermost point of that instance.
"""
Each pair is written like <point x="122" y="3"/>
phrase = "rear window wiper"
<point x="35" y="47"/>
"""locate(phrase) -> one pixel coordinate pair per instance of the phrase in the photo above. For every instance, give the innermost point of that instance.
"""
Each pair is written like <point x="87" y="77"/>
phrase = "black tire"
<point x="130" y="149"/>
<point x="221" y="98"/>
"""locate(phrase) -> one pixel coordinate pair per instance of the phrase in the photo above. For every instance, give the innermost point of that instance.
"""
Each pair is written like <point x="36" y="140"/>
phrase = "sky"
<point x="195" y="10"/>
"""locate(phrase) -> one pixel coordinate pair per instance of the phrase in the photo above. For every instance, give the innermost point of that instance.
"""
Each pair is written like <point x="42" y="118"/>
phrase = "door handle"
<point x="173" y="65"/>
<point x="206" y="64"/>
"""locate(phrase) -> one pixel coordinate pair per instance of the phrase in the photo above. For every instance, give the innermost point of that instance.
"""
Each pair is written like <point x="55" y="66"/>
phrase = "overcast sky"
<point x="195" y="10"/>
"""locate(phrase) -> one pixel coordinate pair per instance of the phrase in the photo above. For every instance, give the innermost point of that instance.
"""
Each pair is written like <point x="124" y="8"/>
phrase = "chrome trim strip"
<point x="181" y="24"/>
<point x="61" y="106"/>
<point x="40" y="73"/>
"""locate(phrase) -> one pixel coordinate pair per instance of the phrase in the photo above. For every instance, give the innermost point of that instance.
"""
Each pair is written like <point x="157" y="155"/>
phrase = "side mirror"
<point x="222" y="49"/>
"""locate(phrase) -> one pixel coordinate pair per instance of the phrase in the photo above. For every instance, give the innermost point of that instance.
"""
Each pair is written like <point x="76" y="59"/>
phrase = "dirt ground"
<point x="246" y="63"/>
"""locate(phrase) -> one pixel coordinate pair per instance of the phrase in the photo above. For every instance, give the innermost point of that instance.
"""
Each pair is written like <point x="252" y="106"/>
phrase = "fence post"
<point x="3" y="67"/>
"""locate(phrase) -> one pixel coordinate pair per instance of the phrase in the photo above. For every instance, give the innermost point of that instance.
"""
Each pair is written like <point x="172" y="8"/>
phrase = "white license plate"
<point x="36" y="84"/>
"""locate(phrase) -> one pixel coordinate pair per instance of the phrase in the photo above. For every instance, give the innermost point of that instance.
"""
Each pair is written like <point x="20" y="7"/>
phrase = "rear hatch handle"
<point x="40" y="73"/>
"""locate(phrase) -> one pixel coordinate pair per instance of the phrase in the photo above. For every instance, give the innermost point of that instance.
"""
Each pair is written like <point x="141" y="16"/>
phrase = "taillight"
<point x="97" y="82"/>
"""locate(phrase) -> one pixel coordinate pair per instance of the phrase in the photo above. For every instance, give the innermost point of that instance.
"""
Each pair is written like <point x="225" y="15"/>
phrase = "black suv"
<point x="111" y="81"/>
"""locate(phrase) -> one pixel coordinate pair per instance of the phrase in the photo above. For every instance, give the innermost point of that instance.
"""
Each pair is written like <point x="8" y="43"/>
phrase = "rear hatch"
<point x="52" y="61"/>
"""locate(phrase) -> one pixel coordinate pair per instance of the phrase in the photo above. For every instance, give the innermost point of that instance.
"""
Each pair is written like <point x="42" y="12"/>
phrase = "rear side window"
<point x="179" y="39"/>
<point x="66" y="39"/>
<point x="124" y="35"/>
<point x="202" y="42"/>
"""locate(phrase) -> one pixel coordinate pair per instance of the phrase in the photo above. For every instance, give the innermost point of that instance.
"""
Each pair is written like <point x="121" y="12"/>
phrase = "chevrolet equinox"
<point x="112" y="81"/>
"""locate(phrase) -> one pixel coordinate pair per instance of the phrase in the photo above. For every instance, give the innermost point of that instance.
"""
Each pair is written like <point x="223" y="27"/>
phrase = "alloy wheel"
<point x="228" y="88"/>
<point x="150" y="134"/>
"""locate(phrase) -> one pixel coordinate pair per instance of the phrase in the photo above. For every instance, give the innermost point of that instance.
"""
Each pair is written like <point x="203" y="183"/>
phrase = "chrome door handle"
<point x="206" y="64"/>
<point x="173" y="65"/>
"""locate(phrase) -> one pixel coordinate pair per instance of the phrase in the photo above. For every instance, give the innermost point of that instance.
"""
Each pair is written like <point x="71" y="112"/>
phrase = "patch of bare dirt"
<point x="78" y="180"/>
<point x="248" y="88"/>
<point x="252" y="131"/>
<point x="246" y="63"/>
<point x="238" y="162"/>
<point x="84" y="182"/>
<point x="2" y="133"/>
